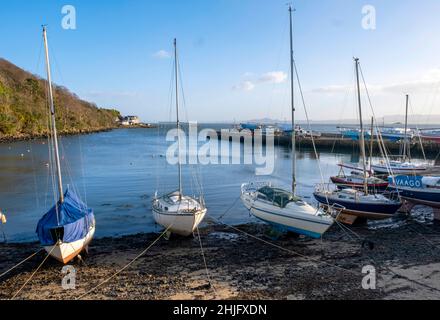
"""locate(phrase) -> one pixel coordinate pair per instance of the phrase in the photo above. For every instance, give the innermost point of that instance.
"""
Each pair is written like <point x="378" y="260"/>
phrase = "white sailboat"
<point x="280" y="207"/>
<point x="404" y="165"/>
<point x="68" y="227"/>
<point x="174" y="211"/>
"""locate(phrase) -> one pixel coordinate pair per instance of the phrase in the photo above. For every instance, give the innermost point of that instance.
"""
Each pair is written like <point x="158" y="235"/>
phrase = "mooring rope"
<point x="285" y="249"/>
<point x="204" y="261"/>
<point x="127" y="265"/>
<point x="388" y="268"/>
<point x="33" y="274"/>
<point x="229" y="209"/>
<point x="421" y="235"/>
<point x="20" y="263"/>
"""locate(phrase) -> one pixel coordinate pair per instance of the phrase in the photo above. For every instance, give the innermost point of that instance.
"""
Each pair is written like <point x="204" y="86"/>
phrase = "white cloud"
<point x="162" y="54"/>
<point x="244" y="86"/>
<point x="252" y="79"/>
<point x="273" y="77"/>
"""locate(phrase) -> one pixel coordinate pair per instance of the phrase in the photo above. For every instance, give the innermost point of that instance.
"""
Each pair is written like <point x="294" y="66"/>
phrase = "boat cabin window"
<point x="278" y="197"/>
<point x="262" y="197"/>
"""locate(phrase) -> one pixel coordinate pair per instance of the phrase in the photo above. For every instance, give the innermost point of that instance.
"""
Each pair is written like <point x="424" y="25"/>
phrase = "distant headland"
<point x="24" y="112"/>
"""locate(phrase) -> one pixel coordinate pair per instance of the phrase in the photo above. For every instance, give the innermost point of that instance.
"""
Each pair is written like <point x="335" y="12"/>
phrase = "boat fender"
<point x="368" y="243"/>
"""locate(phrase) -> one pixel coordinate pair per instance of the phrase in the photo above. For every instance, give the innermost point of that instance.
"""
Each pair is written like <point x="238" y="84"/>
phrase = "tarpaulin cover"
<point x="73" y="215"/>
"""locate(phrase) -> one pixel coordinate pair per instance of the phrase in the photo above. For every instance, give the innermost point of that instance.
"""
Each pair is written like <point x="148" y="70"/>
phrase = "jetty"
<point x="336" y="142"/>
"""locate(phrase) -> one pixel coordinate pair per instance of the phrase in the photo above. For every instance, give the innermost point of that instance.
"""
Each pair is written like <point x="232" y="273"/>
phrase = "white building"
<point x="130" y="120"/>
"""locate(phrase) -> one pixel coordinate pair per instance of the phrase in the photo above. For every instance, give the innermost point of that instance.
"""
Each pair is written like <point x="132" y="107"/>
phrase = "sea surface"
<point x="118" y="172"/>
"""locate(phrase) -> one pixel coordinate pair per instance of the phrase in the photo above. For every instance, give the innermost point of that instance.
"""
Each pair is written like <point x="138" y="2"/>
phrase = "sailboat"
<point x="404" y="164"/>
<point x="68" y="227"/>
<point x="356" y="203"/>
<point x="174" y="211"/>
<point x="282" y="208"/>
<point x="432" y="135"/>
<point x="355" y="179"/>
<point x="423" y="190"/>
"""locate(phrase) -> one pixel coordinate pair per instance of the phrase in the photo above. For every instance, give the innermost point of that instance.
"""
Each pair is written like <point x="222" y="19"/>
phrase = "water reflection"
<point x="118" y="172"/>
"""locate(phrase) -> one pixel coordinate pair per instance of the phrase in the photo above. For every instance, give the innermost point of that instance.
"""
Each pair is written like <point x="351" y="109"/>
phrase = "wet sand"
<point x="406" y="258"/>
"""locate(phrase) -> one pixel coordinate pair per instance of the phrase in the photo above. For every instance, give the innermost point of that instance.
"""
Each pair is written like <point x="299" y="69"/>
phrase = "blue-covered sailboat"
<point x="68" y="227"/>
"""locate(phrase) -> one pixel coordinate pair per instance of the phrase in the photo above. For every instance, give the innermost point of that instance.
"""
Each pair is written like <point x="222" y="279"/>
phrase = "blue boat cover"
<point x="73" y="215"/>
<point x="249" y="126"/>
<point x="285" y="127"/>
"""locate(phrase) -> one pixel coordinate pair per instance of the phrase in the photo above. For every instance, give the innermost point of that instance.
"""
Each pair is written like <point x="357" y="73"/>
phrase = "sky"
<point x="234" y="55"/>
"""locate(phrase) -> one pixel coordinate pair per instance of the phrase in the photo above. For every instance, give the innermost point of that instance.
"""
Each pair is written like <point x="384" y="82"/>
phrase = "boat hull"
<point x="65" y="252"/>
<point x="421" y="196"/>
<point x="372" y="211"/>
<point x="343" y="183"/>
<point x="396" y="170"/>
<point x="431" y="138"/>
<point x="300" y="222"/>
<point x="183" y="224"/>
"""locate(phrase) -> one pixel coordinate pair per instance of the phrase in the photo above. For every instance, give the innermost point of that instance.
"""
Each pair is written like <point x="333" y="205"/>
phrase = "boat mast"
<point x="292" y="95"/>
<point x="53" y="119"/>
<point x="371" y="143"/>
<point x="406" y="128"/>
<point x="361" y="137"/>
<point x="177" y="118"/>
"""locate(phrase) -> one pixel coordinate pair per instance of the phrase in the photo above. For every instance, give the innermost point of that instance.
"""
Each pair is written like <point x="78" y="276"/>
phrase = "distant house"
<point x="130" y="120"/>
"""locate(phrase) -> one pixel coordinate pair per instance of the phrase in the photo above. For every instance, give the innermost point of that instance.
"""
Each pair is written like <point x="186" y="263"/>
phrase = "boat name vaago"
<point x="219" y="150"/>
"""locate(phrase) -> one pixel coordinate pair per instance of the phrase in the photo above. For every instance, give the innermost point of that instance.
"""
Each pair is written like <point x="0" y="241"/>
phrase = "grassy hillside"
<point x="24" y="109"/>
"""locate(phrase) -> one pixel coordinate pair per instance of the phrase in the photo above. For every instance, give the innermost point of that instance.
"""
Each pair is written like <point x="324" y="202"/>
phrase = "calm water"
<point x="118" y="172"/>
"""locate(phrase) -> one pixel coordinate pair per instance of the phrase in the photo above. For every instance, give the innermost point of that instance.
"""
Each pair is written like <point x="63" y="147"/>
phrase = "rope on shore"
<point x="325" y="262"/>
<point x="126" y="266"/>
<point x="421" y="235"/>
<point x="204" y="261"/>
<point x="20" y="263"/>
<point x="388" y="268"/>
<point x="32" y="275"/>
<point x="285" y="249"/>
<point x="229" y="209"/>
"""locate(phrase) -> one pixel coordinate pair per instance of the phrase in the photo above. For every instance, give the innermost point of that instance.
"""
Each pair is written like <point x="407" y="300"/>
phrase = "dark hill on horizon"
<point x="24" y="109"/>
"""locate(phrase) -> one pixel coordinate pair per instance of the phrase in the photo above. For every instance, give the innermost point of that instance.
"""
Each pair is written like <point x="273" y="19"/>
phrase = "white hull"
<point x="298" y="217"/>
<point x="397" y="169"/>
<point x="65" y="252"/>
<point x="180" y="215"/>
<point x="181" y="224"/>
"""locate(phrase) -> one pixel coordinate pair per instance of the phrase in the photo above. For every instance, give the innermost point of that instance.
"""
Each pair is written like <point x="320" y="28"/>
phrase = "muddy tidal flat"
<point x="406" y="260"/>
